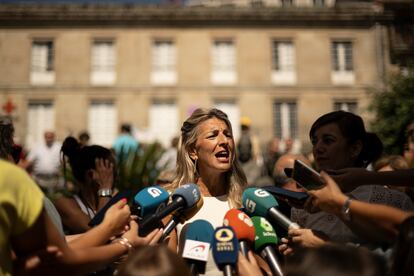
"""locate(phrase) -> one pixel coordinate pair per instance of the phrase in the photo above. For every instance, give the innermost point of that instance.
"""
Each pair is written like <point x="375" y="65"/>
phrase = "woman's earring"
<point x="195" y="166"/>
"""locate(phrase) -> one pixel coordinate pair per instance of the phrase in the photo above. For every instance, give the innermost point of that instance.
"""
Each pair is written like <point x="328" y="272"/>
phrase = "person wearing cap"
<point x="248" y="147"/>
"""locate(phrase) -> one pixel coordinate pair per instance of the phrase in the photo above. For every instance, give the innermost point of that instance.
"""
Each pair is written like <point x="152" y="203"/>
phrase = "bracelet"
<point x="105" y="192"/>
<point x="346" y="210"/>
<point x="125" y="242"/>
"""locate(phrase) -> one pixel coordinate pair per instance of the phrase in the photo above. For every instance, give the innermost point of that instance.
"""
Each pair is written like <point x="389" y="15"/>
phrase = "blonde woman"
<point x="206" y="157"/>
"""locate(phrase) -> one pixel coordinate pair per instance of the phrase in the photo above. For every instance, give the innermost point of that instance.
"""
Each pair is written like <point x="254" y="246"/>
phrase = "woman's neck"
<point x="212" y="184"/>
<point x="90" y="198"/>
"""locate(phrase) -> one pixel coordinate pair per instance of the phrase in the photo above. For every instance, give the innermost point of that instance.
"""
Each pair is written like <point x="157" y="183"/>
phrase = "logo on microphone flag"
<point x="196" y="250"/>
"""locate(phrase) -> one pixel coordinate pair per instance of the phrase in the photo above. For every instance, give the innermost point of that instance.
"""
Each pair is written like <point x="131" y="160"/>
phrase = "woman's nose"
<point x="317" y="147"/>
<point x="223" y="139"/>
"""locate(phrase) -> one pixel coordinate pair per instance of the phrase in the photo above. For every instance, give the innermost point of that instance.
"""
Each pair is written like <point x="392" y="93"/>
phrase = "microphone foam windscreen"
<point x="257" y="201"/>
<point x="241" y="224"/>
<point x="150" y="199"/>
<point x="265" y="234"/>
<point x="198" y="237"/>
<point x="225" y="246"/>
<point x="190" y="193"/>
<point x="199" y="230"/>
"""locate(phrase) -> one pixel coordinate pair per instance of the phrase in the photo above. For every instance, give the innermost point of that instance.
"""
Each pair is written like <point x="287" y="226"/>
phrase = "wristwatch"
<point x="105" y="192"/>
<point x="346" y="210"/>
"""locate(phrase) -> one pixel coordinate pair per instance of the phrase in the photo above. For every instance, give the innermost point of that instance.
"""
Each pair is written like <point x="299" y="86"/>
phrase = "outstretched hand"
<point x="117" y="217"/>
<point x="248" y="266"/>
<point x="328" y="198"/>
<point x="133" y="236"/>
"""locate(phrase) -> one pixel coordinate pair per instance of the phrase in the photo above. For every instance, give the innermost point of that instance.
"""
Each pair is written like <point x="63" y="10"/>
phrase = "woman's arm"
<point x="372" y="220"/>
<point x="115" y="221"/>
<point x="351" y="178"/>
<point x="71" y="261"/>
<point x="72" y="216"/>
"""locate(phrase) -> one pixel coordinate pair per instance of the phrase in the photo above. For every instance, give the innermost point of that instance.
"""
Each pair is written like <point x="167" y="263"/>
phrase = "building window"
<point x="102" y="122"/>
<point x="40" y="118"/>
<point x="231" y="108"/>
<point x="42" y="64"/>
<point x="163" y="63"/>
<point x="160" y="128"/>
<point x="342" y="62"/>
<point x="283" y="63"/>
<point x="350" y="106"/>
<point x="319" y="3"/>
<point x="285" y="120"/>
<point x="103" y="63"/>
<point x="223" y="63"/>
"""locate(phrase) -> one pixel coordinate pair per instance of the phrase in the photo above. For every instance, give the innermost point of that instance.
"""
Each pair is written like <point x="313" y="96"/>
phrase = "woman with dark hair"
<point x="93" y="171"/>
<point x="340" y="141"/>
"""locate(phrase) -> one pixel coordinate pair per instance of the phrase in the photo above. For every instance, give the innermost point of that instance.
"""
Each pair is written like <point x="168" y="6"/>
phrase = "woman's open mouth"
<point x="223" y="156"/>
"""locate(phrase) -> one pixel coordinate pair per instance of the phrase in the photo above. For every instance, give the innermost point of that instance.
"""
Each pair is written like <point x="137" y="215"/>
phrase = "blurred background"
<point x="276" y="65"/>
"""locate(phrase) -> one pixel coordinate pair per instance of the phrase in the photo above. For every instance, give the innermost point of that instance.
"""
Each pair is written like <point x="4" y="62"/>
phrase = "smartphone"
<point x="98" y="218"/>
<point x="306" y="177"/>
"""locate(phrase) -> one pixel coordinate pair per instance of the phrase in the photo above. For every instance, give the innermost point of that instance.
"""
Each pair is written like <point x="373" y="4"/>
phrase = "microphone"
<point x="181" y="216"/>
<point x="258" y="202"/>
<point x="243" y="228"/>
<point x="225" y="249"/>
<point x="265" y="242"/>
<point x="149" y="200"/>
<point x="184" y="197"/>
<point x="198" y="237"/>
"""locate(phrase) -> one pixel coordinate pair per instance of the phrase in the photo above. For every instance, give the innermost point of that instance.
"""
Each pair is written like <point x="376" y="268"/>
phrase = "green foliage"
<point x="394" y="110"/>
<point x="139" y="169"/>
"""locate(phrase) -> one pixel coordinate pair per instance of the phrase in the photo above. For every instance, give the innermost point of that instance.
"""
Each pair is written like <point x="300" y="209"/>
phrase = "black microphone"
<point x="185" y="196"/>
<point x="181" y="216"/>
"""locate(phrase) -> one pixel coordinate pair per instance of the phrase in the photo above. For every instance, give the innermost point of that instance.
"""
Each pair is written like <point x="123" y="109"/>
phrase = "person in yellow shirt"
<point x="21" y="203"/>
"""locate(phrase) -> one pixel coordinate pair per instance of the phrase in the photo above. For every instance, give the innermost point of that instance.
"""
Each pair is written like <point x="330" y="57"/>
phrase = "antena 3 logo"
<point x="196" y="250"/>
<point x="154" y="192"/>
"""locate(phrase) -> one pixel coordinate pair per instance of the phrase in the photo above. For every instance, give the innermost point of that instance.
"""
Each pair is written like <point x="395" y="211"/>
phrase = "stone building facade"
<point x="93" y="67"/>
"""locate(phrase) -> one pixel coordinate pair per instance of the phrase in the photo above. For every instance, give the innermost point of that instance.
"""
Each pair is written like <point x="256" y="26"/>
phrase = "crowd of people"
<point x="360" y="222"/>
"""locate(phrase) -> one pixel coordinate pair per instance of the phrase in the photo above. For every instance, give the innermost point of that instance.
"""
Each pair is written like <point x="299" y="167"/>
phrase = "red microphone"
<point x="242" y="226"/>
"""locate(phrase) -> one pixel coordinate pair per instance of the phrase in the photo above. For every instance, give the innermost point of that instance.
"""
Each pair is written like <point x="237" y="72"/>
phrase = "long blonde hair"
<point x="186" y="170"/>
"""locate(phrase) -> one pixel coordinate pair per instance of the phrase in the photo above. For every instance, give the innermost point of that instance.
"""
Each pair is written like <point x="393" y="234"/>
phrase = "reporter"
<point x="371" y="220"/>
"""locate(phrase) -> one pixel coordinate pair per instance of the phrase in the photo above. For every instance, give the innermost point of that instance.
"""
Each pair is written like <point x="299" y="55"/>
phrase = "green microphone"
<point x="258" y="202"/>
<point x="265" y="243"/>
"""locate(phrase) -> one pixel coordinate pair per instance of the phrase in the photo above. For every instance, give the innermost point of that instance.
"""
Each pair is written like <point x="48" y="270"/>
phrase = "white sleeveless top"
<point x="213" y="211"/>
<point x="85" y="209"/>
